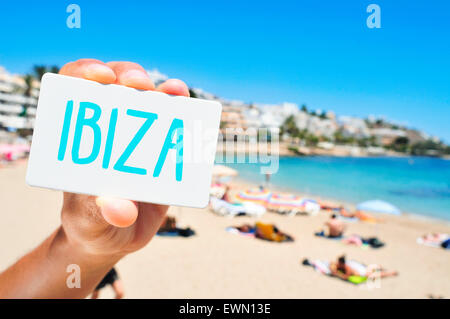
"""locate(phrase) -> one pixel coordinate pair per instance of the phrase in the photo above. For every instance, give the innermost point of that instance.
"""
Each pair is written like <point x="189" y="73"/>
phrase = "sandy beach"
<point x="217" y="264"/>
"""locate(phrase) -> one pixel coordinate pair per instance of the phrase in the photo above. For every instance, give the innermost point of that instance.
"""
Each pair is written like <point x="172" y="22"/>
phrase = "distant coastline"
<point x="288" y="149"/>
<point x="245" y="183"/>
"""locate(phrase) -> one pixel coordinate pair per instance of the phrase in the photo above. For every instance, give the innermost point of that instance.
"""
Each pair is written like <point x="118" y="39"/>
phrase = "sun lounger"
<point x="292" y="205"/>
<point x="224" y="208"/>
<point x="217" y="190"/>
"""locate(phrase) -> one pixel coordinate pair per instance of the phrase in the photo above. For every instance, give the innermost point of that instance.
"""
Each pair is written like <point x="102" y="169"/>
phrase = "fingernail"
<point x="137" y="79"/>
<point x="100" y="72"/>
<point x="99" y="201"/>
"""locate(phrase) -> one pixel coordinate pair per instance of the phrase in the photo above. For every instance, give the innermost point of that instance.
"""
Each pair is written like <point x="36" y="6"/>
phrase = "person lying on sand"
<point x="358" y="214"/>
<point x="357" y="240"/>
<point x="330" y="207"/>
<point x="435" y="240"/>
<point x="169" y="227"/>
<point x="95" y="232"/>
<point x="246" y="228"/>
<point x="169" y="224"/>
<point x="226" y="195"/>
<point x="271" y="232"/>
<point x="263" y="231"/>
<point x="344" y="270"/>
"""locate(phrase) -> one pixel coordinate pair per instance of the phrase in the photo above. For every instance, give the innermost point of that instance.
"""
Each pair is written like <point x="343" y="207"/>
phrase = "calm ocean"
<point x="414" y="184"/>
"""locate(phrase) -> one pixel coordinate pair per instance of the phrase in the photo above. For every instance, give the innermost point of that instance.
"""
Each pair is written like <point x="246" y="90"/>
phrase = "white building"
<point x="252" y="116"/>
<point x="316" y="125"/>
<point x="353" y="127"/>
<point x="275" y="115"/>
<point x="13" y="101"/>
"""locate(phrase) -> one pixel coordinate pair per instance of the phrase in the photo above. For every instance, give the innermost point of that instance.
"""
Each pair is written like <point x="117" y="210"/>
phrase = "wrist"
<point x="81" y="254"/>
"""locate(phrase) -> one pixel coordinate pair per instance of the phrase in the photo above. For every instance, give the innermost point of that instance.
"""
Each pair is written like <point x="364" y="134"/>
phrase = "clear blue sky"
<point x="316" y="52"/>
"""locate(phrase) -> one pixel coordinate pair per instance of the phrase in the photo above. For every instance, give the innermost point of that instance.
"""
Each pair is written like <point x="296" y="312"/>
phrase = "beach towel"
<point x="225" y="208"/>
<point x="357" y="266"/>
<point x="234" y="230"/>
<point x="357" y="279"/>
<point x="323" y="267"/>
<point x="322" y="234"/>
<point x="182" y="232"/>
<point x="372" y="242"/>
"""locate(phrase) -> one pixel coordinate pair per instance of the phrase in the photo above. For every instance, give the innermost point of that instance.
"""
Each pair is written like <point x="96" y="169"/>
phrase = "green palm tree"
<point x="54" y="69"/>
<point x="39" y="71"/>
<point x="27" y="92"/>
<point x="28" y="84"/>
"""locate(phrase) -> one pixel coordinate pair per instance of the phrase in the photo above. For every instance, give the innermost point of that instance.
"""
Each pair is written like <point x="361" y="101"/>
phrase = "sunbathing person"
<point x="328" y="207"/>
<point x="343" y="269"/>
<point x="169" y="227"/>
<point x="246" y="228"/>
<point x="335" y="226"/>
<point x="226" y="195"/>
<point x="345" y="213"/>
<point x="435" y="240"/>
<point x="357" y="214"/>
<point x="357" y="240"/>
<point x="366" y="217"/>
<point x="271" y="232"/>
<point x="168" y="224"/>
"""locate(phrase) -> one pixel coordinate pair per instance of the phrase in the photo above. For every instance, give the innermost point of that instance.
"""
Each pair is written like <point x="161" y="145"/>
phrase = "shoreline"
<point x="240" y="182"/>
<point x="243" y="183"/>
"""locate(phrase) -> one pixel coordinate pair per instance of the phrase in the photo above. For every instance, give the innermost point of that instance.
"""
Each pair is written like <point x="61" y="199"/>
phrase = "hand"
<point x="96" y="232"/>
<point x="111" y="227"/>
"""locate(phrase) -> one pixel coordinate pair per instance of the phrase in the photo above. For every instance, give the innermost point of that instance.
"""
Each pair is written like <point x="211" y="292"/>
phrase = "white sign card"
<point x="111" y="140"/>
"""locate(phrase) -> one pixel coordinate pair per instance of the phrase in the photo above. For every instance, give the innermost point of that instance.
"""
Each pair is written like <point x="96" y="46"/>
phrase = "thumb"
<point x="118" y="212"/>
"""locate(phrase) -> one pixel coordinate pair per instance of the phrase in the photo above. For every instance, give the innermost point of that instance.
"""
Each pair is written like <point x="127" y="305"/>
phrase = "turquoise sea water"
<point x="414" y="184"/>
